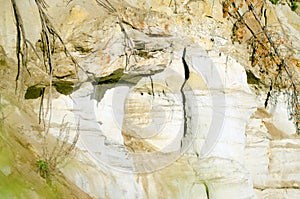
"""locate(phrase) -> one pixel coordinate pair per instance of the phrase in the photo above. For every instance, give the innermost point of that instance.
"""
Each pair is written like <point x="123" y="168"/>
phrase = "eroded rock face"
<point x="150" y="127"/>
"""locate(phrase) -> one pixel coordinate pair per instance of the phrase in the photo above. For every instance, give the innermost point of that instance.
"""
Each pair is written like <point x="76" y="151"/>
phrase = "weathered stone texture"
<point x="129" y="97"/>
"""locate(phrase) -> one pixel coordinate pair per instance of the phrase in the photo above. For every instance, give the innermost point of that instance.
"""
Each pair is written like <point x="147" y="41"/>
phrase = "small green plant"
<point x="294" y="5"/>
<point x="274" y="1"/>
<point x="54" y="155"/>
<point x="43" y="168"/>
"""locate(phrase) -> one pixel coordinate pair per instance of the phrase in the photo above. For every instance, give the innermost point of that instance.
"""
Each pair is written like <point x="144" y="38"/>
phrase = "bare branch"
<point x="267" y="51"/>
<point x="21" y="45"/>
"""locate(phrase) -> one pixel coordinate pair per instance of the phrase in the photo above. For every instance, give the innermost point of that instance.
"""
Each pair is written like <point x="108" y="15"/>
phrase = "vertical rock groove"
<point x="186" y="77"/>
